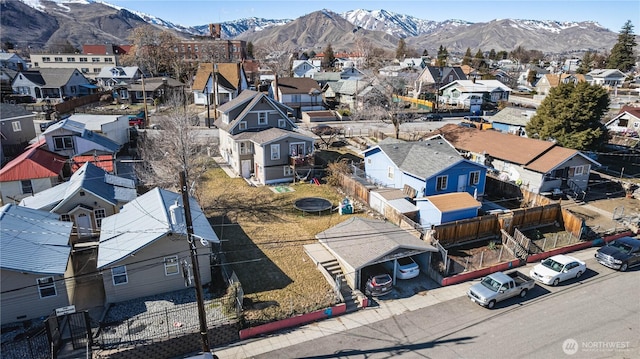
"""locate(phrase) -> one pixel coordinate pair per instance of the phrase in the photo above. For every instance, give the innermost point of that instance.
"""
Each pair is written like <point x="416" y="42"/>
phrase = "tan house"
<point x="144" y="251"/>
<point x="549" y="81"/>
<point x="34" y="265"/>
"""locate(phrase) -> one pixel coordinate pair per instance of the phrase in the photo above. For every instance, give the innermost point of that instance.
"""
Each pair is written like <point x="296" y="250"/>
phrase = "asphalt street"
<point x="597" y="316"/>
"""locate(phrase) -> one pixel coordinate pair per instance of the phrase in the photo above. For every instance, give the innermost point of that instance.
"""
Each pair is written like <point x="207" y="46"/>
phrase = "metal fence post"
<point x="555" y="242"/>
<point x="166" y="314"/>
<point x="500" y="255"/>
<point x="481" y="258"/>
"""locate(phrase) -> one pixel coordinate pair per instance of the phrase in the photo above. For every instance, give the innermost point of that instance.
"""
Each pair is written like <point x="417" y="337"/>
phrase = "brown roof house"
<point x="540" y="166"/>
<point x="624" y="129"/>
<point x="259" y="140"/>
<point x="549" y="81"/>
<point x="299" y="93"/>
<point x="221" y="86"/>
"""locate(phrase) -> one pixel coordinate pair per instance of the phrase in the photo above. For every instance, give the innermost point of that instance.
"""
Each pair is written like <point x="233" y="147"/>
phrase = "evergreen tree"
<point x="621" y="56"/>
<point x="443" y="55"/>
<point x="585" y="63"/>
<point x="401" y="51"/>
<point x="425" y="52"/>
<point x="492" y="54"/>
<point x="478" y="60"/>
<point x="329" y="57"/>
<point x="466" y="59"/>
<point x="250" y="49"/>
<point x="570" y="115"/>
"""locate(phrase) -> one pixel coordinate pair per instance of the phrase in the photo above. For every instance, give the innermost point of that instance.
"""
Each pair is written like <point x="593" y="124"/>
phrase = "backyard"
<point x="262" y="237"/>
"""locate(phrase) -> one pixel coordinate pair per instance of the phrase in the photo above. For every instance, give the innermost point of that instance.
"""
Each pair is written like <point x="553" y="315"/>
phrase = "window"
<point x="95" y="59"/>
<point x="636" y="124"/>
<point x="63" y="143"/>
<point x="46" y="287"/>
<point x="83" y="59"/>
<point x="16" y="126"/>
<point x="36" y="64"/>
<point x="119" y="275"/>
<point x="171" y="265"/>
<point x="578" y="170"/>
<point x="262" y="118"/>
<point x="46" y="59"/>
<point x="369" y="161"/>
<point x="282" y="123"/>
<point x="275" y="152"/>
<point x="85" y="70"/>
<point x="57" y="59"/>
<point x="242" y="126"/>
<point x="244" y="148"/>
<point x="441" y="183"/>
<point x="474" y="178"/>
<point x="99" y="213"/>
<point x="390" y="172"/>
<point x="96" y="70"/>
<point x="288" y="171"/>
<point x="27" y="187"/>
<point x="65" y="218"/>
<point x="108" y="59"/>
<point x="71" y="59"/>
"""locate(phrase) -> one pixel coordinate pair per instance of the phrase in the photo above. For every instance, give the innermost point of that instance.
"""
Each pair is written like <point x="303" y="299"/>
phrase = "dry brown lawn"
<point x="262" y="237"/>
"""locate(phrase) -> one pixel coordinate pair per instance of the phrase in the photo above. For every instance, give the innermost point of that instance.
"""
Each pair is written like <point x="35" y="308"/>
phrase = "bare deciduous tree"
<point x="277" y="56"/>
<point x="174" y="147"/>
<point x="380" y="102"/>
<point x="153" y="50"/>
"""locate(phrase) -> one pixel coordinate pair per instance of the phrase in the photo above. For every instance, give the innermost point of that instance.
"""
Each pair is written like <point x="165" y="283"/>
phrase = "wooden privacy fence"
<point x="467" y="230"/>
<point x="354" y="188"/>
<point x="70" y="105"/>
<point x="572" y="223"/>
<point x="514" y="246"/>
<point x="530" y="217"/>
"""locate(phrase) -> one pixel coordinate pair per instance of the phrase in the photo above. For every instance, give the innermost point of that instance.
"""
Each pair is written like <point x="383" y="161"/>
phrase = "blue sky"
<point x="610" y="14"/>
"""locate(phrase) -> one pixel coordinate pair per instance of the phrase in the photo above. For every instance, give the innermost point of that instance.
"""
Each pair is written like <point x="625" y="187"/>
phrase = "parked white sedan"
<point x="556" y="269"/>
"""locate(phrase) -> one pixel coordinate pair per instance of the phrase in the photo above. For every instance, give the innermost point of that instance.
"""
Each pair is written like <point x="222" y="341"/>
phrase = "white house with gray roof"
<point x="259" y="140"/>
<point x="34" y="263"/>
<point x="512" y="120"/>
<point x="143" y="251"/>
<point x="90" y="195"/>
<point x="111" y="76"/>
<point x="54" y="84"/>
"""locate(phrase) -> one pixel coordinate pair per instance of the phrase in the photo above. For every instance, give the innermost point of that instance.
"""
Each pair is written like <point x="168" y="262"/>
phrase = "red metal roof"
<point x="35" y="162"/>
<point x="103" y="161"/>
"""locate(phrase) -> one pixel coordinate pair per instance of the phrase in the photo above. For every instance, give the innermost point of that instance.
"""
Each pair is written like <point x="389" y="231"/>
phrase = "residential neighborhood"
<point x="195" y="196"/>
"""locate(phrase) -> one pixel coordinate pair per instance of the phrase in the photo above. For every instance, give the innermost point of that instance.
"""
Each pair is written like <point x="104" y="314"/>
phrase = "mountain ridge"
<point x="382" y="28"/>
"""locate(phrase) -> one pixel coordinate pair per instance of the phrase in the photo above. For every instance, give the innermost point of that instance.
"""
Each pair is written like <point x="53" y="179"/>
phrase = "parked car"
<point x="431" y="117"/>
<point x="558" y="268"/>
<point x="500" y="286"/>
<point x="407" y="268"/>
<point x="325" y="130"/>
<point x="620" y="254"/>
<point x="379" y="285"/>
<point x="137" y="120"/>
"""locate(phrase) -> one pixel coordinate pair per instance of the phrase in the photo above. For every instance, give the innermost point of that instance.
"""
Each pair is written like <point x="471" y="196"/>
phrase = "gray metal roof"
<point x="66" y="124"/>
<point x="101" y="140"/>
<point x="58" y="77"/>
<point x="361" y="242"/>
<point x="10" y="111"/>
<point x="422" y="159"/>
<point x="33" y="241"/>
<point x="90" y="178"/>
<point x="145" y="220"/>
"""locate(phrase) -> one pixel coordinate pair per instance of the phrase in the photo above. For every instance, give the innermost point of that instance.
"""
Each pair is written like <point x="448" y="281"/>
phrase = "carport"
<point x="360" y="242"/>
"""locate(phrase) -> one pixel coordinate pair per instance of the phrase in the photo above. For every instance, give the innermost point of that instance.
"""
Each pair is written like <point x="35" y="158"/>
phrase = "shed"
<point x="318" y="116"/>
<point x="447" y="207"/>
<point x="358" y="242"/>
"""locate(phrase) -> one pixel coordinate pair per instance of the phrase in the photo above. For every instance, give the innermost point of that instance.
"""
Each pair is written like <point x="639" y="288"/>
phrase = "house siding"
<point x="13" y="189"/>
<point x="146" y="272"/>
<point x="464" y="168"/>
<point x="26" y="133"/>
<point x="377" y="166"/>
<point x="25" y="300"/>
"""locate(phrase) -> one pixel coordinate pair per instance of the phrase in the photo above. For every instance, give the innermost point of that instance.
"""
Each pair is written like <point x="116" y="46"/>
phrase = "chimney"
<point x="214" y="30"/>
<point x="275" y="89"/>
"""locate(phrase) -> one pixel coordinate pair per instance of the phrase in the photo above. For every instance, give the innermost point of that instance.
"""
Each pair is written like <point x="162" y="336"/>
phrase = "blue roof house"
<point x="143" y="251"/>
<point x="429" y="167"/>
<point x="34" y="263"/>
<point x="90" y="195"/>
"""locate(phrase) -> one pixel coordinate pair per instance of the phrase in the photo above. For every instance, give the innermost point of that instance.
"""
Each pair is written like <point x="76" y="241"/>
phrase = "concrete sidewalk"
<point x="383" y="310"/>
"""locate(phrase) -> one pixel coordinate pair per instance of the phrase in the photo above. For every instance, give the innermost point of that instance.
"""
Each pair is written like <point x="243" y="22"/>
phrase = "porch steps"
<point x="332" y="267"/>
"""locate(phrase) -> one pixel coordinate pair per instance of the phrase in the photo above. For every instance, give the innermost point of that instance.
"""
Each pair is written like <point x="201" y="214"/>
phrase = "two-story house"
<point x="305" y="68"/>
<point x="220" y="86"/>
<point x="298" y="93"/>
<point x="70" y="138"/>
<point x="258" y="139"/>
<point x="112" y="76"/>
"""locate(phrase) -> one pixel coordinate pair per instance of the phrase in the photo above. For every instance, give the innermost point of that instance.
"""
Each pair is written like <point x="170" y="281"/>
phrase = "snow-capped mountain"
<point x="78" y="22"/>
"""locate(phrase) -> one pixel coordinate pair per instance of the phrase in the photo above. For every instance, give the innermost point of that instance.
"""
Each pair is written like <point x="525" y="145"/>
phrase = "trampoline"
<point x="313" y="204"/>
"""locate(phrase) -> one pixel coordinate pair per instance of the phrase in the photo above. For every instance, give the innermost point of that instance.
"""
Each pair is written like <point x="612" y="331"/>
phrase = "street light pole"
<point x="196" y="268"/>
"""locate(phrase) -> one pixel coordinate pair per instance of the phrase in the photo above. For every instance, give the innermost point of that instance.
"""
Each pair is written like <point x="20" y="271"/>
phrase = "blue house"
<point x="428" y="167"/>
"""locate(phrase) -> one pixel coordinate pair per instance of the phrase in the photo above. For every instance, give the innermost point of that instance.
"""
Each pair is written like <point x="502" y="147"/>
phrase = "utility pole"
<point x="196" y="268"/>
<point x="144" y="98"/>
<point x="206" y="92"/>
<point x="215" y="91"/>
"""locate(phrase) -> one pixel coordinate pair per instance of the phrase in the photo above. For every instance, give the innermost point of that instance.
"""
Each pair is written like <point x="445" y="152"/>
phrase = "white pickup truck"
<point x="500" y="286"/>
